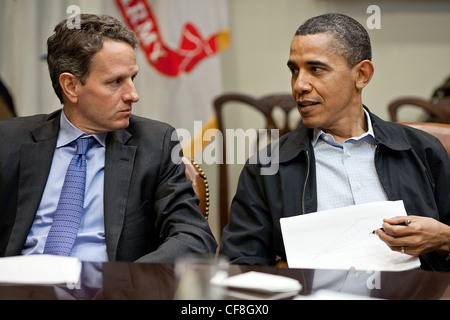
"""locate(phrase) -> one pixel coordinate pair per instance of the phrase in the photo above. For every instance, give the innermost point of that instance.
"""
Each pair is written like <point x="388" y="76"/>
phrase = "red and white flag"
<point x="179" y="56"/>
<point x="179" y="41"/>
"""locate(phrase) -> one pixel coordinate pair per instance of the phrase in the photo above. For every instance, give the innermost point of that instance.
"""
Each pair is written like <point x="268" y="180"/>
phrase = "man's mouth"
<point x="304" y="104"/>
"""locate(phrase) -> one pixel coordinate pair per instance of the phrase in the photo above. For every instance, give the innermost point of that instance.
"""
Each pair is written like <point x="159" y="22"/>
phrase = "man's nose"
<point x="302" y="83"/>
<point x="131" y="93"/>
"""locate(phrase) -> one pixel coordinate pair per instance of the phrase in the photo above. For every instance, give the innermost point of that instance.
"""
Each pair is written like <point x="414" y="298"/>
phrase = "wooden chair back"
<point x="266" y="106"/>
<point x="199" y="184"/>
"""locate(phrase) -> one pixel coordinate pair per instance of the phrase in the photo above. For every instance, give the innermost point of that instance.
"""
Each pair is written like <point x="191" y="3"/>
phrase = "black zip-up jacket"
<point x="413" y="166"/>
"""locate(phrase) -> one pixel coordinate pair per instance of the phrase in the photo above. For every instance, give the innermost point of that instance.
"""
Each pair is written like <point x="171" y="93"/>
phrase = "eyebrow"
<point x="291" y="63"/>
<point x="123" y="75"/>
<point x="318" y="63"/>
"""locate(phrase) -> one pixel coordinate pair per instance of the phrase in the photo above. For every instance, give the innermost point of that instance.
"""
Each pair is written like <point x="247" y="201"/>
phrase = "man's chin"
<point x="310" y="123"/>
<point x="122" y="124"/>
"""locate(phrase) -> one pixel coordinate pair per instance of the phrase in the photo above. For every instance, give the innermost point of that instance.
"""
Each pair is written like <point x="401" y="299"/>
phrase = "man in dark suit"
<point x="138" y="206"/>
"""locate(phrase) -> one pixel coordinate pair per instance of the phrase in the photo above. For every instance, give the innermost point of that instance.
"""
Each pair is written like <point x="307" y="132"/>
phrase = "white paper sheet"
<point x="260" y="281"/>
<point x="40" y="269"/>
<point x="324" y="294"/>
<point x="259" y="285"/>
<point x="341" y="238"/>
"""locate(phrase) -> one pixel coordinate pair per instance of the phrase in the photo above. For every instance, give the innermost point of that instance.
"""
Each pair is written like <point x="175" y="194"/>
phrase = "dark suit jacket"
<point x="151" y="210"/>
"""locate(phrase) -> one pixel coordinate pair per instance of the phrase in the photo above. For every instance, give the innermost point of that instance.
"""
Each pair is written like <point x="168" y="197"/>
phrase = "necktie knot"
<point x="84" y="144"/>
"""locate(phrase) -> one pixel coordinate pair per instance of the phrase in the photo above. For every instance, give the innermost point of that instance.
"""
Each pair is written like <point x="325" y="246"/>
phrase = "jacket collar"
<point x="295" y="142"/>
<point x="49" y="129"/>
<point x="388" y="134"/>
<point x="299" y="140"/>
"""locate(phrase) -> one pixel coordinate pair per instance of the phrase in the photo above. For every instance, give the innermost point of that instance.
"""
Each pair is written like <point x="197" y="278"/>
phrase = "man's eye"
<point x="316" y="69"/>
<point x="116" y="81"/>
<point x="293" y="71"/>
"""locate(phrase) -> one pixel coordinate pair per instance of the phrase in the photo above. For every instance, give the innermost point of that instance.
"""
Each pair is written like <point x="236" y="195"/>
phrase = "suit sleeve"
<point x="179" y="222"/>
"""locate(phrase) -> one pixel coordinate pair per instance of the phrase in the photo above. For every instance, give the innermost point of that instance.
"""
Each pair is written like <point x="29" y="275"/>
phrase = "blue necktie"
<point x="69" y="211"/>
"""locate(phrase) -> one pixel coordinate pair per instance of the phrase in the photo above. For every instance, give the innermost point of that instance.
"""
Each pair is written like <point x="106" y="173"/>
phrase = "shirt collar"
<point x="320" y="133"/>
<point x="68" y="133"/>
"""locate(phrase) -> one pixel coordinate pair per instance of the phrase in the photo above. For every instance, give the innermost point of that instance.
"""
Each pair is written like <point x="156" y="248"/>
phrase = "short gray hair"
<point x="352" y="40"/>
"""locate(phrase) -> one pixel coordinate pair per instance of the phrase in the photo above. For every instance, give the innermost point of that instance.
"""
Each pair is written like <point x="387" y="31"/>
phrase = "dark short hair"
<point x="352" y="40"/>
<point x="71" y="49"/>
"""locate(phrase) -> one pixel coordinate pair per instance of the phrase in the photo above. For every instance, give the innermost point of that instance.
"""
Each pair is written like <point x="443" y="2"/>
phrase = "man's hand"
<point x="421" y="235"/>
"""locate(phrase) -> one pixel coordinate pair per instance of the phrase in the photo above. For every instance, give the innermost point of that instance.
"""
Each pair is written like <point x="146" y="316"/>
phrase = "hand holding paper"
<point x="423" y="235"/>
<point x="341" y="238"/>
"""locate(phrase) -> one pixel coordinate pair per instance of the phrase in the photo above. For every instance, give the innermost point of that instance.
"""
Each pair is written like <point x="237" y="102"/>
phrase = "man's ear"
<point x="69" y="83"/>
<point x="364" y="72"/>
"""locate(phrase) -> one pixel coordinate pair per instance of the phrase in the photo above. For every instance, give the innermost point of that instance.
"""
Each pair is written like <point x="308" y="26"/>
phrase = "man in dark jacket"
<point x="341" y="154"/>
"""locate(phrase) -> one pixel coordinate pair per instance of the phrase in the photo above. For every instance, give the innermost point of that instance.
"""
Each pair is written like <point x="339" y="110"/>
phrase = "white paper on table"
<point x="324" y="294"/>
<point x="260" y="281"/>
<point x="40" y="269"/>
<point x="342" y="238"/>
<point x="263" y="285"/>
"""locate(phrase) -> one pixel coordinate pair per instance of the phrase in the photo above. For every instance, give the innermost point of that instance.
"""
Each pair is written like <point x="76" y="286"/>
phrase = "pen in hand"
<point x="403" y="223"/>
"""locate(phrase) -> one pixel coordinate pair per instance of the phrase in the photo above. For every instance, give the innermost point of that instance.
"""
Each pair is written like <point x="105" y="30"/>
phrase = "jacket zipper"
<point x="306" y="181"/>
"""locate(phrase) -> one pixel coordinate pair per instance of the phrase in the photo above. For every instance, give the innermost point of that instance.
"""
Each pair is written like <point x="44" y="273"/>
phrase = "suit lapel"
<point x="35" y="162"/>
<point x="119" y="162"/>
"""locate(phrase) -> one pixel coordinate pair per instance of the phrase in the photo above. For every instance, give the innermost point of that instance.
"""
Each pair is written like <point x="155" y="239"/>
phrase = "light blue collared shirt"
<point x="346" y="174"/>
<point x="90" y="244"/>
